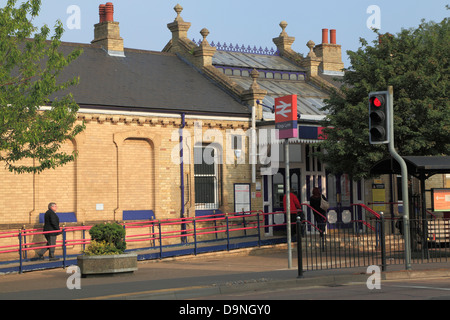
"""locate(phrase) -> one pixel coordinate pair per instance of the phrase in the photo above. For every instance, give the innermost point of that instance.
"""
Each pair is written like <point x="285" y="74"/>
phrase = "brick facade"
<point x="124" y="163"/>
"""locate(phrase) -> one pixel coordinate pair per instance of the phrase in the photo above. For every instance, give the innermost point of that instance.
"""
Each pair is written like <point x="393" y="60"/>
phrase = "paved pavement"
<point x="195" y="276"/>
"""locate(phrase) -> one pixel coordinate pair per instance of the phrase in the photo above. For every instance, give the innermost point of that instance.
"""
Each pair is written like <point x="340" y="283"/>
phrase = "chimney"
<point x="324" y="35"/>
<point x="107" y="31"/>
<point x="330" y="53"/>
<point x="333" y="36"/>
<point x="109" y="12"/>
<point x="102" y="13"/>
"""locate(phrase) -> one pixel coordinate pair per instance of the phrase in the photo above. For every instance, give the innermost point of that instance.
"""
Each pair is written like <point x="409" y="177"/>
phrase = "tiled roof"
<point x="145" y="80"/>
<point x="278" y="76"/>
<point x="251" y="60"/>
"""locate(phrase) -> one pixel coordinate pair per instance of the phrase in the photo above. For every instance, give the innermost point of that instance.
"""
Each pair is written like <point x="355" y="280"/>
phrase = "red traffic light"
<point x="377" y="101"/>
<point x="379" y="118"/>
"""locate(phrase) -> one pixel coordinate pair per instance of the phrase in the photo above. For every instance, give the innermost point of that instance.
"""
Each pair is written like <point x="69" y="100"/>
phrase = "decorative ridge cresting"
<point x="241" y="48"/>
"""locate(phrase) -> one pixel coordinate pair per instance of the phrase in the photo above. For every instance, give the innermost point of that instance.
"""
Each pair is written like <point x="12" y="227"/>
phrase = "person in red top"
<point x="296" y="209"/>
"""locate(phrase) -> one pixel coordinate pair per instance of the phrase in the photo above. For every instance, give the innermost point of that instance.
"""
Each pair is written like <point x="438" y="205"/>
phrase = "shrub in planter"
<point x="105" y="254"/>
<point x="106" y="239"/>
<point x="100" y="248"/>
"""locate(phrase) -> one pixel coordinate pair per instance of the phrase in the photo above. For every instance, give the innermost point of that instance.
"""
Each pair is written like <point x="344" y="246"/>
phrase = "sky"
<point x="143" y="23"/>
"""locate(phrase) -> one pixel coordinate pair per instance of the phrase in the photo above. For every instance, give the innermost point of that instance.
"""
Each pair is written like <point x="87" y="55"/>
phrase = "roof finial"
<point x="255" y="75"/>
<point x="204" y="32"/>
<point x="310" y="44"/>
<point x="283" y="41"/>
<point x="178" y="9"/>
<point x="283" y="25"/>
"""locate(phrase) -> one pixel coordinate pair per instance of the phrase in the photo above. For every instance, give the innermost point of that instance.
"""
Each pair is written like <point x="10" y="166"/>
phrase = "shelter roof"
<point x="421" y="167"/>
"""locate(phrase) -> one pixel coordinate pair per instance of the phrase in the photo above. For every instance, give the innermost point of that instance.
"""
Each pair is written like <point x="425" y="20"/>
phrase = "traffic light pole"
<point x="404" y="171"/>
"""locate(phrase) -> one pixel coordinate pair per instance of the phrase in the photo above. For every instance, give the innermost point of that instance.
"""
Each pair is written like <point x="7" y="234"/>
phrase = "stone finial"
<point x="311" y="45"/>
<point x="255" y="75"/>
<point x="283" y="41"/>
<point x="204" y="52"/>
<point x="253" y="94"/>
<point x="178" y="27"/>
<point x="178" y="9"/>
<point x="283" y="25"/>
<point x="311" y="62"/>
<point x="204" y="32"/>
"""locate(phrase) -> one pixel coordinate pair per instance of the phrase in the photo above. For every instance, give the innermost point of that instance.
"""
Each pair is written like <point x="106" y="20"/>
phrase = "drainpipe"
<point x="253" y="147"/>
<point x="183" y="124"/>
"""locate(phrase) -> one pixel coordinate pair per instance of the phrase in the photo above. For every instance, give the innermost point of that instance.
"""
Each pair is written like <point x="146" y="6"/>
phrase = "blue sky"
<point x="143" y="23"/>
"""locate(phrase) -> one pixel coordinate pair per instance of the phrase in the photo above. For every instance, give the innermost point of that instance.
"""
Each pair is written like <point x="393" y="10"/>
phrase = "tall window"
<point x="207" y="177"/>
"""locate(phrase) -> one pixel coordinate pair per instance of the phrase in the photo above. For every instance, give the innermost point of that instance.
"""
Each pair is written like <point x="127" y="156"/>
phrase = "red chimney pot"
<point x="109" y="11"/>
<point x="102" y="13"/>
<point x="324" y="35"/>
<point x="333" y="36"/>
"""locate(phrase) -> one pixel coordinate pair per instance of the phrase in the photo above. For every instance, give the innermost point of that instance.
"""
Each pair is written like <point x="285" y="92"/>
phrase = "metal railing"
<point x="348" y="245"/>
<point x="332" y="245"/>
<point x="153" y="239"/>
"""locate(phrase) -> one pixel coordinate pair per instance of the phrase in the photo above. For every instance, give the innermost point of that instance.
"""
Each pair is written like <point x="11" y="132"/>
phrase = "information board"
<point x="242" y="200"/>
<point x="440" y="199"/>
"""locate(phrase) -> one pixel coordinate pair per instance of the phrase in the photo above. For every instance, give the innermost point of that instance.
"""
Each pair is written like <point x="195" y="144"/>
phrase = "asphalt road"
<point x="430" y="289"/>
<point x="256" y="274"/>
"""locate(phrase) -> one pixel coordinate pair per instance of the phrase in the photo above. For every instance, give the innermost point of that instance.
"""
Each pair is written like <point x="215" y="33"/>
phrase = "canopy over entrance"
<point x="421" y="167"/>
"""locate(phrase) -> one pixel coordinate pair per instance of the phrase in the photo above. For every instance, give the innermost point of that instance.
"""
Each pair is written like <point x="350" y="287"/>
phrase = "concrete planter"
<point x="107" y="264"/>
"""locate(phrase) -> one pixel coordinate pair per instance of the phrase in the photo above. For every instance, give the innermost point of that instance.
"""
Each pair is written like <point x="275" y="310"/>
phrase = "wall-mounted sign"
<point x="242" y="201"/>
<point x="378" y="195"/>
<point x="440" y="199"/>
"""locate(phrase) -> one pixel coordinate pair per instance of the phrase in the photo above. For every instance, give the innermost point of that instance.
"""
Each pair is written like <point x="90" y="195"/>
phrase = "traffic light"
<point x="379" y="117"/>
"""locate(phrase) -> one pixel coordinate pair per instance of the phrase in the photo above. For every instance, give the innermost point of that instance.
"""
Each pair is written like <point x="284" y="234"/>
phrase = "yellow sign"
<point x="379" y="195"/>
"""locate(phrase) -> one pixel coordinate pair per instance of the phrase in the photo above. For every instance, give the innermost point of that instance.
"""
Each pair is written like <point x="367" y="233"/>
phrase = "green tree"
<point x="416" y="63"/>
<point x="30" y="64"/>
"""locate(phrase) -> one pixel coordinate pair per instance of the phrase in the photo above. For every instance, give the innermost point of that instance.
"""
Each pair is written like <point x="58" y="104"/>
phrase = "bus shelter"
<point x="422" y="168"/>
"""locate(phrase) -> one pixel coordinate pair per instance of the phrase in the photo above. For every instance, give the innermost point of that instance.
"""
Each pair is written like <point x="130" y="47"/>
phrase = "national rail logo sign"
<point x="286" y="116"/>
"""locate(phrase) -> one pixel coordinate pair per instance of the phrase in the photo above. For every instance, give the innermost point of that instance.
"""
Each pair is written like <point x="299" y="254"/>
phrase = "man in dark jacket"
<point x="319" y="213"/>
<point x="51" y="223"/>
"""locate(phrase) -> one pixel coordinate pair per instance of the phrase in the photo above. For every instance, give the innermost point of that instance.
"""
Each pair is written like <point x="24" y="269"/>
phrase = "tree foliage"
<point x="30" y="64"/>
<point x="416" y="63"/>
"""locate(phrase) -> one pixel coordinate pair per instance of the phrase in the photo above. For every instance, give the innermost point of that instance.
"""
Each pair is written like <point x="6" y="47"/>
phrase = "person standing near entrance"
<point x="296" y="208"/>
<point x="51" y="223"/>
<point x="319" y="213"/>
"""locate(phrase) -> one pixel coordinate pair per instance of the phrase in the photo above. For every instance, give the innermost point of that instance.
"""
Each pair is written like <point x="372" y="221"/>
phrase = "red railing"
<point x="314" y="210"/>
<point x="159" y="231"/>
<point x="155" y="233"/>
<point x="362" y="205"/>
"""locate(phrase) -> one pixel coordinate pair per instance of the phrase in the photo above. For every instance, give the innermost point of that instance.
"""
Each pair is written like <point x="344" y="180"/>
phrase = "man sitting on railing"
<point x="51" y="223"/>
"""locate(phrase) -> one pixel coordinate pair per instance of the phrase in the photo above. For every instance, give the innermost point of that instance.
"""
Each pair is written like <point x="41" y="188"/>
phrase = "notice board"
<point x="440" y="199"/>
<point x="242" y="201"/>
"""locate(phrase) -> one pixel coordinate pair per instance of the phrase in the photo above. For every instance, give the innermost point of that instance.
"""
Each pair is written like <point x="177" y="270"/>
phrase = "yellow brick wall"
<point x="16" y="196"/>
<point x="124" y="163"/>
